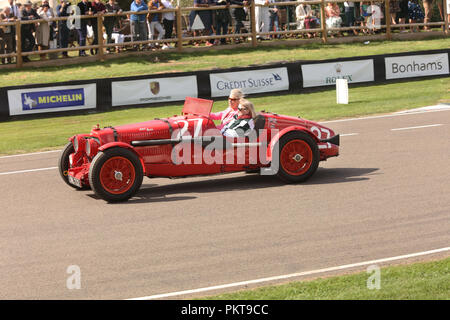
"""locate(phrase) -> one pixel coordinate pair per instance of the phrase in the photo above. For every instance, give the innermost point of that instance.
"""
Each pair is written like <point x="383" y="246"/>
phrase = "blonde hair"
<point x="247" y="104"/>
<point x="236" y="94"/>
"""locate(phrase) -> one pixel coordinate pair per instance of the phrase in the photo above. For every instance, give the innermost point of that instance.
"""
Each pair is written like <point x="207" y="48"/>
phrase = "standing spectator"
<point x="43" y="30"/>
<point x="205" y="16"/>
<point x="155" y="20"/>
<point x="168" y="20"/>
<point x="333" y="16"/>
<point x="138" y="22"/>
<point x="97" y="8"/>
<point x="6" y="34"/>
<point x="274" y="24"/>
<point x="428" y="8"/>
<point x="110" y="22"/>
<point x="223" y="20"/>
<point x="239" y="15"/>
<point x="262" y="18"/>
<point x="28" y="40"/>
<point x="85" y="9"/>
<point x="63" y="30"/>
<point x="394" y="8"/>
<point x="403" y="15"/>
<point x="305" y="18"/>
<point x="415" y="14"/>
<point x="349" y="8"/>
<point x="16" y="13"/>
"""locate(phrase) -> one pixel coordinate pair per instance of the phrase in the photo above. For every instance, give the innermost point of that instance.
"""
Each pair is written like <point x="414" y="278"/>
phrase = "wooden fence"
<point x="180" y="40"/>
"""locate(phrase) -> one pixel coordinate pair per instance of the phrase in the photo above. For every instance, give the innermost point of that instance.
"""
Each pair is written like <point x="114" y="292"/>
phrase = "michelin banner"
<point x="416" y="66"/>
<point x="325" y="74"/>
<point x="52" y="99"/>
<point x="252" y="81"/>
<point x="155" y="90"/>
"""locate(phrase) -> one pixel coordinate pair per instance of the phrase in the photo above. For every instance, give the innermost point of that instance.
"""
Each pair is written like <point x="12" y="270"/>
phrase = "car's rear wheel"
<point x="64" y="164"/>
<point x="298" y="157"/>
<point x="116" y="174"/>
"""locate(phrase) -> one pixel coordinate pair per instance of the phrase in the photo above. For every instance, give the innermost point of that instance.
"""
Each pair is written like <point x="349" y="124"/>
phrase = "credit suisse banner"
<point x="252" y="81"/>
<point x="416" y="66"/>
<point x="52" y="99"/>
<point x="325" y="74"/>
<point x="153" y="90"/>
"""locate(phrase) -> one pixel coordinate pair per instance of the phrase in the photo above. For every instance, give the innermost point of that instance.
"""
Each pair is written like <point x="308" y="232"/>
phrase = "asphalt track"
<point x="387" y="194"/>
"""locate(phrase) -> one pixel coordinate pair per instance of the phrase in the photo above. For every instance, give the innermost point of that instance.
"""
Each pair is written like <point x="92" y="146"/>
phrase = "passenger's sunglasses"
<point x="232" y="99"/>
<point x="241" y="108"/>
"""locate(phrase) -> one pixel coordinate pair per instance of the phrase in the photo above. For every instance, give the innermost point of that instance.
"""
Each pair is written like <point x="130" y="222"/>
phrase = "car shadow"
<point x="171" y="192"/>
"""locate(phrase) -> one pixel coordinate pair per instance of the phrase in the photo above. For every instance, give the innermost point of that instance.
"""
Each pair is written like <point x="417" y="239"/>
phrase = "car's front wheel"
<point x="298" y="157"/>
<point x="116" y="174"/>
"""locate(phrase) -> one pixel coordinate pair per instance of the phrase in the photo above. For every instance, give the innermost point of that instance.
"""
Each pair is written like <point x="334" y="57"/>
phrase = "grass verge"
<point x="21" y="136"/>
<point x="210" y="59"/>
<point x="419" y="281"/>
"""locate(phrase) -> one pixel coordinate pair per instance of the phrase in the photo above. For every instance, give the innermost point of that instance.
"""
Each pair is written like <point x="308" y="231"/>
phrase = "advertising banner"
<point x="52" y="99"/>
<point x="252" y="81"/>
<point x="154" y="90"/>
<point x="325" y="74"/>
<point x="416" y="66"/>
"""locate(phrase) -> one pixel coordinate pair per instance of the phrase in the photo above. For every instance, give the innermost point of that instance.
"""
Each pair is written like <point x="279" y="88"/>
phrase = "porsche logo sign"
<point x="154" y="87"/>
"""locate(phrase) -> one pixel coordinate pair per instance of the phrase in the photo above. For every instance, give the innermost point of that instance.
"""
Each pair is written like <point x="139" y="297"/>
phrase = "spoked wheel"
<point x="298" y="157"/>
<point x="116" y="174"/>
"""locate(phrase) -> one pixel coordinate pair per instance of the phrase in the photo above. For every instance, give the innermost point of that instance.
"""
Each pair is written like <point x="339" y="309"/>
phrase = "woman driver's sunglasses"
<point x="242" y="108"/>
<point x="233" y="99"/>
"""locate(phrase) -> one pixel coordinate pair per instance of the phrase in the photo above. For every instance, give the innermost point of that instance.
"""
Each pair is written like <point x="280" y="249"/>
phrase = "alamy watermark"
<point x="74" y="280"/>
<point x="374" y="280"/>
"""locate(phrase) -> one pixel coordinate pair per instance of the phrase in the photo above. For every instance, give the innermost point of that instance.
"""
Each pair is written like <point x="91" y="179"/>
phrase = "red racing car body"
<point x="113" y="160"/>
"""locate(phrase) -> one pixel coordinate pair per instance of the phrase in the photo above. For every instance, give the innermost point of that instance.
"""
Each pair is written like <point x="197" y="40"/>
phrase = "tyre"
<point x="63" y="164"/>
<point x="116" y="174"/>
<point x="298" y="157"/>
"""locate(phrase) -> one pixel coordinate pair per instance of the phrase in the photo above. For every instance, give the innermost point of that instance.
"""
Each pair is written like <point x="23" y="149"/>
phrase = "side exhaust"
<point x="334" y="140"/>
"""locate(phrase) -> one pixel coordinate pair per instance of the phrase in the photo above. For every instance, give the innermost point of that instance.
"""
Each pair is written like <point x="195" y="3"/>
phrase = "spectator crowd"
<point x="160" y="25"/>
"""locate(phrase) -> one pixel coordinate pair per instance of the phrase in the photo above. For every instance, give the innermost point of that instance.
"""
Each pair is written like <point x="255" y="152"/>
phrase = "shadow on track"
<point x="172" y="192"/>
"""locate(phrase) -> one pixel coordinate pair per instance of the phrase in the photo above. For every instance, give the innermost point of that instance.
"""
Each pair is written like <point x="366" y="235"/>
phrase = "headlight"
<point x="78" y="144"/>
<point x="91" y="147"/>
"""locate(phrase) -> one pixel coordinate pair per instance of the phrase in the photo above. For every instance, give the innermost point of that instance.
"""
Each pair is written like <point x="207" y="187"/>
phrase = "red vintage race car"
<point x="113" y="160"/>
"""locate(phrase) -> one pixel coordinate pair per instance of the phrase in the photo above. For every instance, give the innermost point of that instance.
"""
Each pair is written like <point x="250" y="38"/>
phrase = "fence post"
<point x="253" y="23"/>
<point x="179" y="30"/>
<point x="323" y="24"/>
<point x="446" y="22"/>
<point x="100" y="52"/>
<point x="19" y="59"/>
<point x="387" y="15"/>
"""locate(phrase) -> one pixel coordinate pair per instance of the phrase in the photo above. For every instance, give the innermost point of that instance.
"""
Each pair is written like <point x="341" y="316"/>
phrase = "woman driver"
<point x="242" y="123"/>
<point x="233" y="102"/>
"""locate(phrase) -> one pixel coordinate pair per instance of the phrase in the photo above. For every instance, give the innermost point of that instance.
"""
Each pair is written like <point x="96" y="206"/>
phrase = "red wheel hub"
<point x="296" y="157"/>
<point x="117" y="175"/>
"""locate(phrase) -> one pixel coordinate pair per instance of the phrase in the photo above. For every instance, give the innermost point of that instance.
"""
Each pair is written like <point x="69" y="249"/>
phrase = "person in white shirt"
<point x="168" y="19"/>
<point x="262" y="17"/>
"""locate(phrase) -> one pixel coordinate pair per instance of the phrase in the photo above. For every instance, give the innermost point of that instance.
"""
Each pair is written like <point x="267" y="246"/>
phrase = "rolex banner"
<point x="130" y="92"/>
<point x="325" y="74"/>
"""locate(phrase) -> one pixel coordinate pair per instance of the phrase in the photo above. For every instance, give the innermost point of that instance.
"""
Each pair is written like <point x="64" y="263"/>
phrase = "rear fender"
<point x="281" y="133"/>
<point x="117" y="144"/>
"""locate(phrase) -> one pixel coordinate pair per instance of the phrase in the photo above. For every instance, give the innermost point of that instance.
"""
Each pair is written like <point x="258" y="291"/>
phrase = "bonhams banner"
<point x="416" y="66"/>
<point x="325" y="74"/>
<point x="153" y="90"/>
<point x="252" y="81"/>
<point x="52" y="99"/>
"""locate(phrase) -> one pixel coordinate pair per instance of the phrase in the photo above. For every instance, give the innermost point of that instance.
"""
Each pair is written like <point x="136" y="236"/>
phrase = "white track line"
<point x="418" y="127"/>
<point x="385" y="116"/>
<point x="348" y="134"/>
<point x="292" y="275"/>
<point x="25" y="171"/>
<point x="29" y="154"/>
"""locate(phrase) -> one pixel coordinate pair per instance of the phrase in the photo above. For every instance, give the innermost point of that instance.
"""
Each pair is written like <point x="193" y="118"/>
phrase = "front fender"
<point x="118" y="144"/>
<point x="281" y="133"/>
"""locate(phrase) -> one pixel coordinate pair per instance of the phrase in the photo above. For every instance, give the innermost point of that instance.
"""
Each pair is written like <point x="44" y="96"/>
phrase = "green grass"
<point x="203" y="60"/>
<point x="419" y="281"/>
<point x="21" y="136"/>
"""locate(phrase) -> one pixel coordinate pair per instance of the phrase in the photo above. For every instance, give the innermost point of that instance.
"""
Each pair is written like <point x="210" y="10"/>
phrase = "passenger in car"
<point x="242" y="122"/>
<point x="227" y="115"/>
